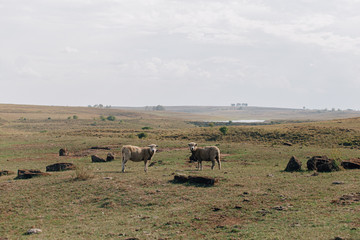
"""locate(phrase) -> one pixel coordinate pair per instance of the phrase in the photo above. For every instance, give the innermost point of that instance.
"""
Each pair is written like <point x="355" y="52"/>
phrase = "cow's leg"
<point x="212" y="164"/>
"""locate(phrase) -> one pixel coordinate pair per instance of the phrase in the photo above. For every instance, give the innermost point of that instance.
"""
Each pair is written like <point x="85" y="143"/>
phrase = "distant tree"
<point x="101" y="106"/>
<point x="224" y="130"/>
<point x="159" y="108"/>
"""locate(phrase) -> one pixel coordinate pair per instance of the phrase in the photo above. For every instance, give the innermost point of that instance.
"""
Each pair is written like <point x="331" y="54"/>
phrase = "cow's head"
<point x="153" y="147"/>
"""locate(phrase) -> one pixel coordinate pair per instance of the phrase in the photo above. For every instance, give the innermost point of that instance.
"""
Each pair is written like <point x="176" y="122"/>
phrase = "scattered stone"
<point x="280" y="208"/>
<point x="108" y="178"/>
<point x="293" y="165"/>
<point x="33" y="231"/>
<point x="5" y="173"/>
<point x="57" y="167"/>
<point x="110" y="157"/>
<point x="103" y="148"/>
<point x="287" y="144"/>
<point x="95" y="158"/>
<point x="270" y="175"/>
<point x="348" y="199"/>
<point x="263" y="212"/>
<point x="246" y="200"/>
<point x="337" y="182"/>
<point x="351" y="164"/>
<point x="238" y="207"/>
<point x="322" y="164"/>
<point x="245" y="193"/>
<point x="295" y="225"/>
<point x="30" y="173"/>
<point x="216" y="209"/>
<point x="63" y="152"/>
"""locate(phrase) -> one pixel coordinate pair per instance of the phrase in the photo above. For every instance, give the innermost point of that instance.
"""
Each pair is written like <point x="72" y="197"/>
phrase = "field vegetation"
<point x="253" y="199"/>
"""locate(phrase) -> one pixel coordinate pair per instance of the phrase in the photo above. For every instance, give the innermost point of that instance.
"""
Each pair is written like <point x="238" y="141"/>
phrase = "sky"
<point x="278" y="53"/>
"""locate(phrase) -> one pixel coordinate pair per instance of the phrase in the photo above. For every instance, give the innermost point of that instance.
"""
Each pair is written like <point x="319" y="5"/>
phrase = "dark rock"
<point x="293" y="165"/>
<point x="216" y="209"/>
<point x="180" y="178"/>
<point x="95" y="158"/>
<point x="110" y="157"/>
<point x="63" y="152"/>
<point x="104" y="148"/>
<point x="287" y="144"/>
<point x="57" y="167"/>
<point x="202" y="180"/>
<point x="351" y="164"/>
<point x="30" y="173"/>
<point x="348" y="199"/>
<point x="322" y="164"/>
<point x="5" y="172"/>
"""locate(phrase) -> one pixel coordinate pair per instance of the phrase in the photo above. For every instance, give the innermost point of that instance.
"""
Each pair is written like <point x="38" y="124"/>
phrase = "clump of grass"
<point x="75" y="117"/>
<point x="224" y="130"/>
<point x="142" y="135"/>
<point x="82" y="173"/>
<point x="111" y="118"/>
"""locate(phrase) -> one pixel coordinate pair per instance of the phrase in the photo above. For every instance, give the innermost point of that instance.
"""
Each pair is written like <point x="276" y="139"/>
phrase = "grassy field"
<point x="254" y="198"/>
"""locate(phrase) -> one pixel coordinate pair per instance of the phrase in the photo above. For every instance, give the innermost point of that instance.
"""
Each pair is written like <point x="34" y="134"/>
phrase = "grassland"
<point x="254" y="198"/>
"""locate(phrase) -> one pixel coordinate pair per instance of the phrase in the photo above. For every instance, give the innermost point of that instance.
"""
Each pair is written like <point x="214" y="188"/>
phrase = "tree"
<point x="224" y="130"/>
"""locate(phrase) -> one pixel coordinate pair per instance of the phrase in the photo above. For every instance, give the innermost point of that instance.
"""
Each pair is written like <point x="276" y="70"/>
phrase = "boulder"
<point x="5" y="172"/>
<point x="287" y="144"/>
<point x="182" y="178"/>
<point x="63" y="152"/>
<point x="57" y="167"/>
<point x="351" y="164"/>
<point x="30" y="173"/>
<point x="293" y="165"/>
<point x="95" y="158"/>
<point x="322" y="164"/>
<point x="103" y="148"/>
<point x="110" y="157"/>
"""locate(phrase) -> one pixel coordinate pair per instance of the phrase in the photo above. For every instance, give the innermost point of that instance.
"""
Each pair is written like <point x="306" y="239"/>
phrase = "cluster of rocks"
<point x="109" y="157"/>
<point x="321" y="164"/>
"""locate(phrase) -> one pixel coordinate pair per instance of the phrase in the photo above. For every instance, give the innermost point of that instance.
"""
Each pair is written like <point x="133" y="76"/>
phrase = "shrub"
<point x="142" y="135"/>
<point x="211" y="124"/>
<point x="83" y="173"/>
<point x="69" y="118"/>
<point x="111" y="118"/>
<point x="94" y="124"/>
<point x="224" y="130"/>
<point x="145" y="128"/>
<point x="49" y="118"/>
<point x="75" y="117"/>
<point x="102" y="118"/>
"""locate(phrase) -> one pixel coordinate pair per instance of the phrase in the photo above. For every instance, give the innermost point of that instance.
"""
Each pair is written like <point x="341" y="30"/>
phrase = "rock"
<point x="322" y="164"/>
<point x="30" y="173"/>
<point x="202" y="180"/>
<point x="216" y="209"/>
<point x="351" y="164"/>
<point x="57" y="167"/>
<point x="104" y="148"/>
<point x="293" y="165"/>
<point x="63" y="152"/>
<point x="280" y="208"/>
<point x="180" y="178"/>
<point x="5" y="173"/>
<point x="315" y="174"/>
<point x="238" y="207"/>
<point x="33" y="231"/>
<point x="337" y="182"/>
<point x="95" y="158"/>
<point x="110" y="157"/>
<point x="287" y="144"/>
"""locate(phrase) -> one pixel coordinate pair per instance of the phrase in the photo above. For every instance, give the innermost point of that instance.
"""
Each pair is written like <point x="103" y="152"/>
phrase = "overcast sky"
<point x="284" y="53"/>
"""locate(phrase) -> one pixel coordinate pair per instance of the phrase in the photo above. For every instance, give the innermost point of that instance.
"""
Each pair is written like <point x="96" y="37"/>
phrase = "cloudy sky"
<point x="284" y="53"/>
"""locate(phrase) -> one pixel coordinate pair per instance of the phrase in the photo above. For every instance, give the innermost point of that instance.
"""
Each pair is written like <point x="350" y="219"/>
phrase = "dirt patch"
<point x="348" y="199"/>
